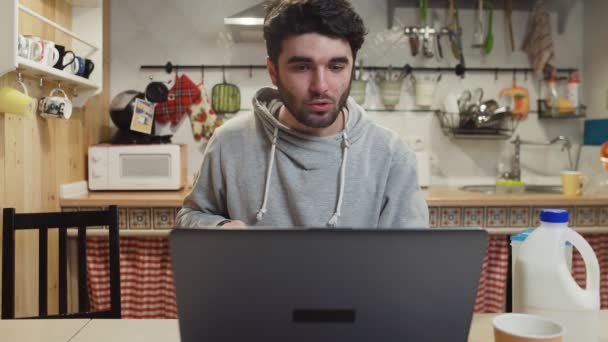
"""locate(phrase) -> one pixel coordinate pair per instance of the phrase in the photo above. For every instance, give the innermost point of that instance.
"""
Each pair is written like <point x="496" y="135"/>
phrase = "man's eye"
<point x="337" y="67"/>
<point x="301" y="67"/>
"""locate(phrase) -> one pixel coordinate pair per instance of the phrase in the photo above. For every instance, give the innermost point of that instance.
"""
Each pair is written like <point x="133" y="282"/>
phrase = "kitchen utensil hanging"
<point x="225" y="97"/>
<point x="509" y="20"/>
<point x="478" y="35"/>
<point x="489" y="43"/>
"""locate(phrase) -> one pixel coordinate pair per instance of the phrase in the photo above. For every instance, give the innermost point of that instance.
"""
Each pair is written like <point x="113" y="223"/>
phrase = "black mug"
<point x="88" y="67"/>
<point x="63" y="61"/>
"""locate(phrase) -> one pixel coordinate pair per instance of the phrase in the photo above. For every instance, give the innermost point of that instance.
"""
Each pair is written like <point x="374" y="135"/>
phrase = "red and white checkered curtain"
<point x="146" y="277"/>
<point x="147" y="288"/>
<point x="491" y="293"/>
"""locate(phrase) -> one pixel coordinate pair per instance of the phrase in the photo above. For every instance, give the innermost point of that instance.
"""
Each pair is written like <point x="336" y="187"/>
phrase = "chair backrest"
<point x="62" y="221"/>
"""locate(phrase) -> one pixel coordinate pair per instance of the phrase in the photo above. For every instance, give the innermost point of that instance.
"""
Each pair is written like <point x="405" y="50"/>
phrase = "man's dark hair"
<point x="332" y="18"/>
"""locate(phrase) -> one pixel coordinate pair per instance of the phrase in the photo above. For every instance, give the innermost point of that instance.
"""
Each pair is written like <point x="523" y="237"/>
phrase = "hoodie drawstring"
<point x="262" y="211"/>
<point x="345" y="145"/>
<point x="334" y="219"/>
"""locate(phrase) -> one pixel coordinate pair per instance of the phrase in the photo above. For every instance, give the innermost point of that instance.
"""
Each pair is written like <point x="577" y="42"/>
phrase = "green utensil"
<point x="489" y="44"/>
<point x="423" y="5"/>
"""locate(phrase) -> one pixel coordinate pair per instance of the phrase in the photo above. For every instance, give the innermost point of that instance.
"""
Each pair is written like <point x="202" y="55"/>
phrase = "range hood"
<point x="247" y="25"/>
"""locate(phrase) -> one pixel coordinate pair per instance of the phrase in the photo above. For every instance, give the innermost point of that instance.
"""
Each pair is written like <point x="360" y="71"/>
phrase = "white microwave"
<point x="137" y="167"/>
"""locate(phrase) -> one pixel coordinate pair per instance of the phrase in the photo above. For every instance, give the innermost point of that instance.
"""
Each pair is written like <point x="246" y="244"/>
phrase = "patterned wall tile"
<point x="586" y="216"/>
<point x="535" y="218"/>
<point x="603" y="216"/>
<point x="123" y="218"/>
<point x="451" y="217"/>
<point x="496" y="217"/>
<point x="177" y="209"/>
<point x="140" y="218"/>
<point x="433" y="217"/>
<point x="164" y="218"/>
<point x="519" y="217"/>
<point x="473" y="217"/>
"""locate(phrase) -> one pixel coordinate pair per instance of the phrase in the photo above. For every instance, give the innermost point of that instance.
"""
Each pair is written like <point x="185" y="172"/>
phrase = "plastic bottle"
<point x="573" y="89"/>
<point x="551" y="99"/>
<point x="545" y="286"/>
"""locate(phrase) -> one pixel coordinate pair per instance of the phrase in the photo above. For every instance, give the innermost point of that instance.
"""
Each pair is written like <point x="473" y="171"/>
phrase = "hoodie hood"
<point x="303" y="149"/>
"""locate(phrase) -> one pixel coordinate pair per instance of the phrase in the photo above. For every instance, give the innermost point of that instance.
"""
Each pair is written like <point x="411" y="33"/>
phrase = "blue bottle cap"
<point x="554" y="215"/>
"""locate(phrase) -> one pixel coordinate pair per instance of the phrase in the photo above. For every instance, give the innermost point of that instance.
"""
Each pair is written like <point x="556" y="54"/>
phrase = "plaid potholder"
<point x="183" y="94"/>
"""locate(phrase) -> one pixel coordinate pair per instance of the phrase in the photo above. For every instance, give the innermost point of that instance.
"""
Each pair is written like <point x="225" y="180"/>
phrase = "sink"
<point x="530" y="189"/>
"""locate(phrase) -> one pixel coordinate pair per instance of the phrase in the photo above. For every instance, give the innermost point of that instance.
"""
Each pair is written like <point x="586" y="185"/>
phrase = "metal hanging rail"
<point x="169" y="68"/>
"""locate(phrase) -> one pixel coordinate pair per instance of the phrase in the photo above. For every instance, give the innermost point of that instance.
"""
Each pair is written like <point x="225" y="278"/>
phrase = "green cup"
<point x="390" y="92"/>
<point x="357" y="91"/>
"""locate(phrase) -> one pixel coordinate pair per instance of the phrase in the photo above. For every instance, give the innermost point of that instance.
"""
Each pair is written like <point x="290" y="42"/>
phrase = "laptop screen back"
<point x="326" y="285"/>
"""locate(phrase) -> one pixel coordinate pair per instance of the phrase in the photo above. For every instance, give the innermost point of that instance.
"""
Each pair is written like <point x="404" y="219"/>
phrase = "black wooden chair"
<point x="43" y="222"/>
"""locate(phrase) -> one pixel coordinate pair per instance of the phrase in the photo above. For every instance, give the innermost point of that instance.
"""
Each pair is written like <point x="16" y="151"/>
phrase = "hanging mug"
<point x="15" y="102"/>
<point x="59" y="107"/>
<point x="425" y="91"/>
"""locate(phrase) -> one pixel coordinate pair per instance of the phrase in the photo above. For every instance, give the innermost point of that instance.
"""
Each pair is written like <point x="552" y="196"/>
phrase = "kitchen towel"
<point x="538" y="41"/>
<point x="202" y="116"/>
<point x="182" y="95"/>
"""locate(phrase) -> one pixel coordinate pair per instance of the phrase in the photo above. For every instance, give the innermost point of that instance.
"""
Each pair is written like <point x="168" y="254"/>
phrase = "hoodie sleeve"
<point x="205" y="206"/>
<point x="404" y="203"/>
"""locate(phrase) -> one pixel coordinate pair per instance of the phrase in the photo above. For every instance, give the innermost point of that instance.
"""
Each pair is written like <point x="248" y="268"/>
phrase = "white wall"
<point x="190" y="32"/>
<point x="596" y="57"/>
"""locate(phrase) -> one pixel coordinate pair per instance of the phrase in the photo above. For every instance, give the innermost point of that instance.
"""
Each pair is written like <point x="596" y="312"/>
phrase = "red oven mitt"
<point x="183" y="94"/>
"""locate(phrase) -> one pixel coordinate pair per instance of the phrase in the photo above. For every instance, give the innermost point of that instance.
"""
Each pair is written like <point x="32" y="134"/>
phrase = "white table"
<point x="129" y="330"/>
<point x="164" y="330"/>
<point x="40" y="330"/>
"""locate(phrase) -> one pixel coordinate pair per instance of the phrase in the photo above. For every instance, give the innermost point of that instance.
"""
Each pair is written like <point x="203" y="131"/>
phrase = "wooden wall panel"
<point x="38" y="155"/>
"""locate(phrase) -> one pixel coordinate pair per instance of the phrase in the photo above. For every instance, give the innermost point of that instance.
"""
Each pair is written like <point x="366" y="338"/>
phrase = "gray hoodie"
<point x="257" y="170"/>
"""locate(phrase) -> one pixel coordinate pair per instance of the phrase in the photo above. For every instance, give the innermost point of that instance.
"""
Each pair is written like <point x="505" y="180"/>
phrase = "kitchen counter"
<point x="453" y="196"/>
<point x="448" y="207"/>
<point x="435" y="196"/>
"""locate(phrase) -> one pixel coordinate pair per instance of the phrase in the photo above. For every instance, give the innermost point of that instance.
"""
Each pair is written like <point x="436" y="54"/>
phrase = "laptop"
<point x="326" y="285"/>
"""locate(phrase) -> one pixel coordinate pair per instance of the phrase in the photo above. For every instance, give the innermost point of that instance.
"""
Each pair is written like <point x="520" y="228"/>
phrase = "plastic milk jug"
<point x="545" y="285"/>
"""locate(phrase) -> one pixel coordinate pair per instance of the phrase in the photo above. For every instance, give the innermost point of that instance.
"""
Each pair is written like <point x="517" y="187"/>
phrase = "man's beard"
<point x="307" y="118"/>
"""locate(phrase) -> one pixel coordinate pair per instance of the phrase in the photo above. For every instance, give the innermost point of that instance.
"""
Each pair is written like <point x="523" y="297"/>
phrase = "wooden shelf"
<point x="86" y="41"/>
<point x="37" y="70"/>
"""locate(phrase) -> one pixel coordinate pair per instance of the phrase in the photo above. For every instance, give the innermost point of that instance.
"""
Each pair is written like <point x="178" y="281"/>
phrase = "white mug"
<point x="56" y="106"/>
<point x="23" y="46"/>
<point x="36" y="51"/>
<point x="74" y="66"/>
<point x="51" y="54"/>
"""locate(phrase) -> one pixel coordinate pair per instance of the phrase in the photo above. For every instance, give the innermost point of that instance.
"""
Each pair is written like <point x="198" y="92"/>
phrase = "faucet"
<point x="515" y="173"/>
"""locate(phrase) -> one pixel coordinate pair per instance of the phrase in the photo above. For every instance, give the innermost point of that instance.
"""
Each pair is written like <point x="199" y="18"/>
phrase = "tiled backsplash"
<point x="158" y="218"/>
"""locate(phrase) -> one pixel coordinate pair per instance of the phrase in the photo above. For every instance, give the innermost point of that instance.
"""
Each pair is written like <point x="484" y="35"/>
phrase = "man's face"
<point x="313" y="77"/>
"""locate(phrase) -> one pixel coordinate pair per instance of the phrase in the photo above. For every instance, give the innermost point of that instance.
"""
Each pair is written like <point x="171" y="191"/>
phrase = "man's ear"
<point x="272" y="71"/>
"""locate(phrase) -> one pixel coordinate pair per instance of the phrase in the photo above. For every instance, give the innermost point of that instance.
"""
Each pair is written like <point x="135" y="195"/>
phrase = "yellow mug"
<point x="15" y="102"/>
<point x="572" y="183"/>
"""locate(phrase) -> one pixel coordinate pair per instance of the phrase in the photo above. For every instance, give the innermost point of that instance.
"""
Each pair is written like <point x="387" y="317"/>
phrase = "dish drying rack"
<point x="450" y="126"/>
